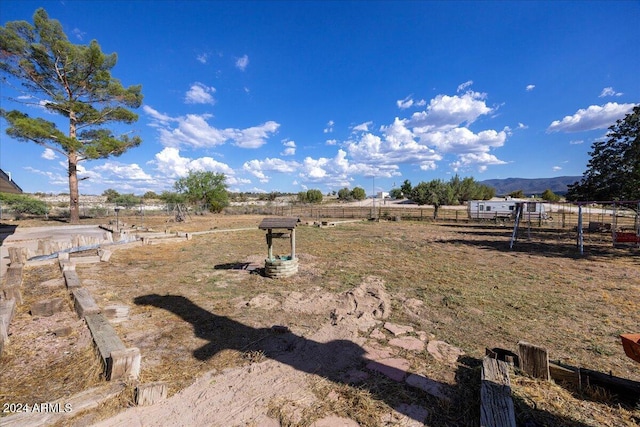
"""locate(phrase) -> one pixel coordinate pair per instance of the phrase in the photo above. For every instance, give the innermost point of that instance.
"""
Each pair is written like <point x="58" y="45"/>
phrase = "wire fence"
<point x="561" y="216"/>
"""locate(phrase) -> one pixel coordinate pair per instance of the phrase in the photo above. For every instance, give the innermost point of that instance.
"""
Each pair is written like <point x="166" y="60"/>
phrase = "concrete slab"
<point x="28" y="237"/>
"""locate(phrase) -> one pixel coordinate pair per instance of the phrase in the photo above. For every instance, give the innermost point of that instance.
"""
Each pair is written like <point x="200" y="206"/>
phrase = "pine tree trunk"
<point x="74" y="195"/>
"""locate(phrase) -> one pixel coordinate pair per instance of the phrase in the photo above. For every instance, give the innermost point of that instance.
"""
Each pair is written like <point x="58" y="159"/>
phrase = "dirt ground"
<point x="385" y="324"/>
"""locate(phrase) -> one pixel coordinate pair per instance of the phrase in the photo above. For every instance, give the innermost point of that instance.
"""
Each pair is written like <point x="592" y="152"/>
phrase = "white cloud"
<point x="198" y="93"/>
<point x="403" y="104"/>
<point x="258" y="167"/>
<point x="53" y="177"/>
<point x="529" y="88"/>
<point x="255" y="136"/>
<point x="170" y="164"/>
<point x="241" y="63"/>
<point x="608" y="91"/>
<point x="331" y="142"/>
<point x="163" y="118"/>
<point x="48" y="154"/>
<point x="398" y="146"/>
<point x="193" y="130"/>
<point x="461" y="140"/>
<point x="128" y="172"/>
<point x="79" y="34"/>
<point x="464" y="85"/>
<point x="480" y="160"/>
<point x="451" y="111"/>
<point x="362" y="127"/>
<point x="576" y="141"/>
<point x="329" y="127"/>
<point x="522" y="126"/>
<point x="290" y="148"/>
<point x="593" y="117"/>
<point x="556" y="168"/>
<point x="202" y="58"/>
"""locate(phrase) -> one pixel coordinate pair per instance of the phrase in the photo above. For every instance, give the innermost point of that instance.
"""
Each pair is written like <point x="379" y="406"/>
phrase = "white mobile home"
<point x="493" y="209"/>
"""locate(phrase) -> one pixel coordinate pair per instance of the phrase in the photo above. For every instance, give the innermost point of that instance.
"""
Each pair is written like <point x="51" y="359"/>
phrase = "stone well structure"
<point x="281" y="266"/>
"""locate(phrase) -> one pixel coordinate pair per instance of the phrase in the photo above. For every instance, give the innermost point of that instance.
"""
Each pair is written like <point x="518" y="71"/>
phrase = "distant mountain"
<point x="531" y="186"/>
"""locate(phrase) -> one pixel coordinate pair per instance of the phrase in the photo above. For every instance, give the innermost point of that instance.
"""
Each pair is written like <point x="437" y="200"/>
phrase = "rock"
<point x="407" y="416"/>
<point x="444" y="352"/>
<point x="335" y="421"/>
<point x="63" y="331"/>
<point x="427" y="385"/>
<point x="354" y="376"/>
<point x="394" y="368"/>
<point x="378" y="335"/>
<point x="408" y="343"/>
<point x="397" y="329"/>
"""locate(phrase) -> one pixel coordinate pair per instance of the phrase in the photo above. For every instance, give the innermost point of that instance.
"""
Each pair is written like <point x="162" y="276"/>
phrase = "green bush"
<point x="23" y="204"/>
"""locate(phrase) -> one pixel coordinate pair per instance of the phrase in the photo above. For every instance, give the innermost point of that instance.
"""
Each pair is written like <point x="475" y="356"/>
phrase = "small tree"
<point x="396" y="194"/>
<point x="150" y="195"/>
<point x="550" y="196"/>
<point x="358" y="193"/>
<point x="314" y="196"/>
<point x="73" y="81"/>
<point x="406" y="188"/>
<point x="204" y="189"/>
<point x="344" y="194"/>
<point x="435" y="192"/>
<point x="110" y="194"/>
<point x="127" y="200"/>
<point x="518" y="194"/>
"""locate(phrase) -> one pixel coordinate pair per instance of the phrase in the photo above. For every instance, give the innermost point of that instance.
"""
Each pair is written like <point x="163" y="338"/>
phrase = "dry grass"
<point x="475" y="293"/>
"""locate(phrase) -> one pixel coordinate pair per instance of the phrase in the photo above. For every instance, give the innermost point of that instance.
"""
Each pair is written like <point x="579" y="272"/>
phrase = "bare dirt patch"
<point x="206" y="327"/>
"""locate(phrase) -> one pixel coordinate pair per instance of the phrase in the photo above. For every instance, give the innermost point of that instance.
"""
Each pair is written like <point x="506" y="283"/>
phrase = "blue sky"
<point x="288" y="96"/>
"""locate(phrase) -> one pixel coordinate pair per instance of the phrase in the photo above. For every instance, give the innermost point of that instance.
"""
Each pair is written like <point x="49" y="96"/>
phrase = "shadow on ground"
<point x="457" y="405"/>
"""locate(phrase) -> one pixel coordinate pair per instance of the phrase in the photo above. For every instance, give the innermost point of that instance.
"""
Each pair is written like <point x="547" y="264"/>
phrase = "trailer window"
<point x="488" y="208"/>
<point x="531" y="207"/>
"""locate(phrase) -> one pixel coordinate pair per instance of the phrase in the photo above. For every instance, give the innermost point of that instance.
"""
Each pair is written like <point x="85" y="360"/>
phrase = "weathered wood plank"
<point x="118" y="361"/>
<point x="625" y="390"/>
<point x="12" y="293"/>
<point x="124" y="364"/>
<point x="84" y="302"/>
<point x="497" y="408"/>
<point x="71" y="279"/>
<point x="18" y="255"/>
<point x="534" y="360"/>
<point x="7" y="311"/>
<point x="150" y="393"/>
<point x="13" y="276"/>
<point x="116" y="313"/>
<point x="104" y="336"/>
<point x="47" y="307"/>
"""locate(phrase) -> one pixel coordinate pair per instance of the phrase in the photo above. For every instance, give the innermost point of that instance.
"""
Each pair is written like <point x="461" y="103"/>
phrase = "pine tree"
<point x="73" y="81"/>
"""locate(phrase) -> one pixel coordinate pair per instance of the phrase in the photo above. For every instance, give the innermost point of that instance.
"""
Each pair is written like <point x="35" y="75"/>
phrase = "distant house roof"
<point x="7" y="185"/>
